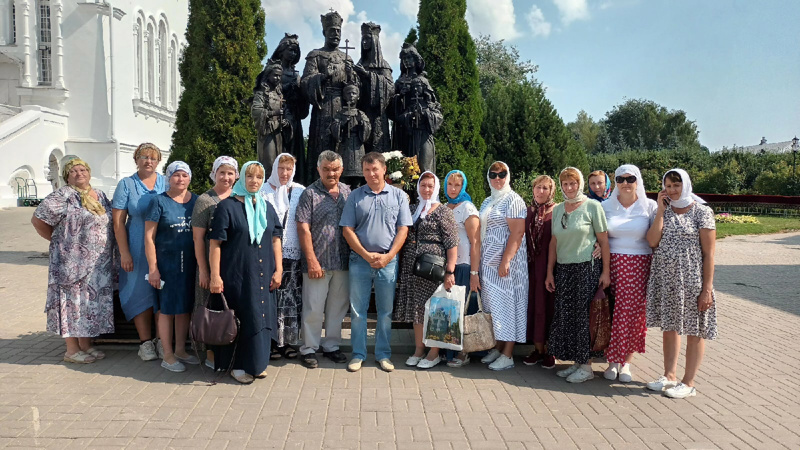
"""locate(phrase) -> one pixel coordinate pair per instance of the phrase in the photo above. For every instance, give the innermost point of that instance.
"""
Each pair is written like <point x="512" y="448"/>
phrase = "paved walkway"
<point x="748" y="390"/>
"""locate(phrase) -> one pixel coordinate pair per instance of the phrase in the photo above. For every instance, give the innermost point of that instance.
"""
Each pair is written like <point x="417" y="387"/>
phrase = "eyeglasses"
<point x="148" y="158"/>
<point x="502" y="175"/>
<point x="630" y="179"/>
<point x="564" y="220"/>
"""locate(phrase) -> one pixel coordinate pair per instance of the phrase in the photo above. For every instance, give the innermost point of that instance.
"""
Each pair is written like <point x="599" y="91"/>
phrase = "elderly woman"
<point x="468" y="259"/>
<point x="538" y="231"/>
<point x="599" y="186"/>
<point x="246" y="263"/>
<point x="574" y="275"/>
<point x="131" y="202"/>
<point x="434" y="232"/>
<point x="680" y="292"/>
<point x="284" y="195"/>
<point x="169" y="249"/>
<point x="504" y="266"/>
<point x="629" y="214"/>
<point x="224" y="173"/>
<point x="76" y="219"/>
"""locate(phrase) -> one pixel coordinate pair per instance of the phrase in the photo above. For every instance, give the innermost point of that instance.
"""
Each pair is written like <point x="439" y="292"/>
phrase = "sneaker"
<point x="493" y="355"/>
<point x="680" y="391"/>
<point x="177" y="366"/>
<point x="147" y="351"/>
<point x="190" y="359"/>
<point x="336" y="356"/>
<point x="455" y="362"/>
<point x="386" y="365"/>
<point x="502" y="363"/>
<point x="159" y="348"/>
<point x="625" y="373"/>
<point x="355" y="365"/>
<point x="412" y="361"/>
<point x="426" y="363"/>
<point x="568" y="371"/>
<point x="309" y="360"/>
<point x="210" y="364"/>
<point x="534" y="358"/>
<point x="548" y="362"/>
<point x="661" y="383"/>
<point x="612" y="371"/>
<point x="580" y="375"/>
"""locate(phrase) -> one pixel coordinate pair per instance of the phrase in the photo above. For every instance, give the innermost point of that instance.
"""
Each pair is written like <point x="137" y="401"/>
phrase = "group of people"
<point x="292" y="260"/>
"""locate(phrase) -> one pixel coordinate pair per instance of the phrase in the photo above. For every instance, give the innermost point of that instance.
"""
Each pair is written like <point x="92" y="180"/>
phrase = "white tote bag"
<point x="444" y="319"/>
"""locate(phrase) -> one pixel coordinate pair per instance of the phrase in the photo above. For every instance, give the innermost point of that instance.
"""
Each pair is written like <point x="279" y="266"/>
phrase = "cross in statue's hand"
<point x="346" y="47"/>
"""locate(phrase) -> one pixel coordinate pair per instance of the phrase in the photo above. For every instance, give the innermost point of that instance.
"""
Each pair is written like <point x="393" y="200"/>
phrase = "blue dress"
<point x="246" y="270"/>
<point x="135" y="294"/>
<point x="174" y="253"/>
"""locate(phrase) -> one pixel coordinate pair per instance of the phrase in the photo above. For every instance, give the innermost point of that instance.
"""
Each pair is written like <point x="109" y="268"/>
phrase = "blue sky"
<point x="733" y="66"/>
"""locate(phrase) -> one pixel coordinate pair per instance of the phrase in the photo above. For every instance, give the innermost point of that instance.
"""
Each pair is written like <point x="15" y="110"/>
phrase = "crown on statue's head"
<point x="370" y="27"/>
<point x="332" y="19"/>
<point x="272" y="65"/>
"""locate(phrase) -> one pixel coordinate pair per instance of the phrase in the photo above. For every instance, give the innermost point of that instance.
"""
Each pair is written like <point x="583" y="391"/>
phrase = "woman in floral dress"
<point x="76" y="219"/>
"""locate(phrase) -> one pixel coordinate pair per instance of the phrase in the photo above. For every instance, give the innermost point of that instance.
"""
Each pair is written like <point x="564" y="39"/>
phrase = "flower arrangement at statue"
<point x="401" y="171"/>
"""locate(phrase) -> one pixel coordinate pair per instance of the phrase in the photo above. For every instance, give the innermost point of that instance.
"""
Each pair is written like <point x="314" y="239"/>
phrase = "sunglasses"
<point x="630" y="179"/>
<point x="564" y="220"/>
<point x="502" y="175"/>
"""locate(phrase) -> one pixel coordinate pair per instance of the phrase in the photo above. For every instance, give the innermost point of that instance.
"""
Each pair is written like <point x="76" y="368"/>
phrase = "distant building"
<point x="763" y="147"/>
<point x="88" y="78"/>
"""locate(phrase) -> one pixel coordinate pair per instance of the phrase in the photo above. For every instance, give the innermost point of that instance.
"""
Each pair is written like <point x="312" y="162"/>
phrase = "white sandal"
<point x="80" y="357"/>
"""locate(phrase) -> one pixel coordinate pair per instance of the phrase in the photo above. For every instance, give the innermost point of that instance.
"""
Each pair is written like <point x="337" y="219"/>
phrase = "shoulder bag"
<point x="478" y="329"/>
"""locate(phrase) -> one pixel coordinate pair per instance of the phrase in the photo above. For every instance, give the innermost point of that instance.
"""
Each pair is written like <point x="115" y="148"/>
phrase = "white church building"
<point x="86" y="78"/>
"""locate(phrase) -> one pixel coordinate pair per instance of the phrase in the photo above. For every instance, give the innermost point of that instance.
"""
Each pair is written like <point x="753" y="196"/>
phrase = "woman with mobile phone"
<point x="680" y="292"/>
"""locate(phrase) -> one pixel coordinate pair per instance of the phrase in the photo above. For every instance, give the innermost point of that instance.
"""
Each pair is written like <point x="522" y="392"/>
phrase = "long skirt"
<point x="629" y="287"/>
<point x="290" y="304"/>
<point x="576" y="285"/>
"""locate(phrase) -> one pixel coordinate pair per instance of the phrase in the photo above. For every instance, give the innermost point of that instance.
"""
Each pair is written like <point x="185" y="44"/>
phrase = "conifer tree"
<point x="225" y="47"/>
<point x="449" y="53"/>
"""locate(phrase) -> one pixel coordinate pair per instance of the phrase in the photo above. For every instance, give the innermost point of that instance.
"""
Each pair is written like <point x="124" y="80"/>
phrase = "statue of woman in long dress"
<point x="288" y="53"/>
<point x="377" y="87"/>
<point x="270" y="115"/>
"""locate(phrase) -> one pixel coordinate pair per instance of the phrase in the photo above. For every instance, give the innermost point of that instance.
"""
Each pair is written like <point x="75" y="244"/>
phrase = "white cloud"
<point x="408" y="8"/>
<point x="539" y="26"/>
<point x="492" y="17"/>
<point x="572" y="10"/>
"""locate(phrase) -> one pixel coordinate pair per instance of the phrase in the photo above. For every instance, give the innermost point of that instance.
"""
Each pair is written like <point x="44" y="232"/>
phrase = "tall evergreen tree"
<point x="449" y="53"/>
<point x="218" y="70"/>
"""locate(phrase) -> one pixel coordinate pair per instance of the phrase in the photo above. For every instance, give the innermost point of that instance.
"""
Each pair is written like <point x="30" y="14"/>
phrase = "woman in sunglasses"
<point x="504" y="266"/>
<point x="574" y="275"/>
<point x="629" y="214"/>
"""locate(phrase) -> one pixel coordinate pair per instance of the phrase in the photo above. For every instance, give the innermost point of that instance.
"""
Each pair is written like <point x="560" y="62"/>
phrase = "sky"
<point x="732" y="65"/>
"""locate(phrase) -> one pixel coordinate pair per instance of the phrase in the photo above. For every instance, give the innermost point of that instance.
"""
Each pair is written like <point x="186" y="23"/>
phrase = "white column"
<point x="145" y="64"/>
<point x="6" y="28"/>
<point x="58" y="42"/>
<point x="168" y="76"/>
<point x="25" y="6"/>
<point x="157" y="72"/>
<point x="137" y="48"/>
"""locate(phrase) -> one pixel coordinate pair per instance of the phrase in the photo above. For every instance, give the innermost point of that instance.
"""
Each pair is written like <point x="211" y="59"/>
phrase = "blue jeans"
<point x="362" y="276"/>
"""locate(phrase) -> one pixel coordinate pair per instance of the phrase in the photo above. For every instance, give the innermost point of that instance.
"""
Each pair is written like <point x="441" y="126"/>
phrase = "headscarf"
<point x="496" y="197"/>
<point x="220" y="161"/>
<point x="176" y="166"/>
<point x="539" y="211"/>
<point x="687" y="197"/>
<point x="91" y="204"/>
<point x="256" y="214"/>
<point x="281" y="191"/>
<point x="579" y="197"/>
<point x="606" y="193"/>
<point x="641" y="195"/>
<point x="425" y="205"/>
<point x="462" y="196"/>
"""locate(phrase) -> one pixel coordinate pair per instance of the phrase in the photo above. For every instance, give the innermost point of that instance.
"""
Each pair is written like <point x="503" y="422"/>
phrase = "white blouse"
<point x="627" y="227"/>
<point x="462" y="212"/>
<point x="290" y="244"/>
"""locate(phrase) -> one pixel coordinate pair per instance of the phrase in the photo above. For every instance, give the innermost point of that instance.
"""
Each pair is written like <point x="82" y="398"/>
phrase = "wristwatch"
<point x="473" y="272"/>
<point x="447" y="272"/>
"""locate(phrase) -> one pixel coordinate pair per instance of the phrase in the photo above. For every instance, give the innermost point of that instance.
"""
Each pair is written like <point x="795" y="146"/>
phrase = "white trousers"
<point x="326" y="301"/>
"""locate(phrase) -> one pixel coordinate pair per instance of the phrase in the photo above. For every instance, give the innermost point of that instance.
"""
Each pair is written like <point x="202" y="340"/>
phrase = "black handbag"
<point x="215" y="327"/>
<point x="430" y="267"/>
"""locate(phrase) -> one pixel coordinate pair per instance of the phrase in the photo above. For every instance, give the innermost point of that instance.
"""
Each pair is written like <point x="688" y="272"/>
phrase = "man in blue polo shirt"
<point x="375" y="224"/>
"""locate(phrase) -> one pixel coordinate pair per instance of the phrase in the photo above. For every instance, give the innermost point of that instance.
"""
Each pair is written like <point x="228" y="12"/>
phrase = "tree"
<point x="645" y="125"/>
<point x="586" y="131"/>
<point x="411" y="37"/>
<point x="449" y="53"/>
<point x="499" y="62"/>
<point x="218" y="68"/>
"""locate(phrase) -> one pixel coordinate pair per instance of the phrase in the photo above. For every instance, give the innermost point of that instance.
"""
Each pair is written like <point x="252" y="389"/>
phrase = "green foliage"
<point x="644" y="124"/>
<point x="765" y="225"/>
<point x="449" y="53"/>
<point x="218" y="68"/>
<point x="498" y="62"/>
<point x="411" y="37"/>
<point x="522" y="184"/>
<point x="778" y="180"/>
<point x="586" y="131"/>
<point x="725" y="179"/>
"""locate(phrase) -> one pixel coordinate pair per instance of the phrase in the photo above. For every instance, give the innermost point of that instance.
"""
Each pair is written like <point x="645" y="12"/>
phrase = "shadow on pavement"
<point x="25" y="258"/>
<point x="776" y="286"/>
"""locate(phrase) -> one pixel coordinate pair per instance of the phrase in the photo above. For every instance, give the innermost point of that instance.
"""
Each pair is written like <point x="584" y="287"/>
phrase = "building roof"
<point x="770" y="147"/>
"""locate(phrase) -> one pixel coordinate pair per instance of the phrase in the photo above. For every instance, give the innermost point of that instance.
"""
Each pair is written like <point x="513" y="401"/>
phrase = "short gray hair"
<point x="329" y="156"/>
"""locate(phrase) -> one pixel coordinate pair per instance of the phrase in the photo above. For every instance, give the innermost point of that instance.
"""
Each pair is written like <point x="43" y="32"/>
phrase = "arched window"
<point x="163" y="68"/>
<point x="45" y="43"/>
<point x="150" y="72"/>
<point x="137" y="59"/>
<point x="173" y="75"/>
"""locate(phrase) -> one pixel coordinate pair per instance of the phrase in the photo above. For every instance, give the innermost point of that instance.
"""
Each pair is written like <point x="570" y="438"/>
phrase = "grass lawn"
<point x="769" y="224"/>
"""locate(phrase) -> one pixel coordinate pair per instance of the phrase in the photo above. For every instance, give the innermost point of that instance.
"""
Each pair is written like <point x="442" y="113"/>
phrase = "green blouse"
<point x="575" y="242"/>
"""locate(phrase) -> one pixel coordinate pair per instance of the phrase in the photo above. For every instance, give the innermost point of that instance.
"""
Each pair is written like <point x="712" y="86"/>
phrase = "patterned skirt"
<point x="629" y="275"/>
<point x="290" y="304"/>
<point x="576" y="285"/>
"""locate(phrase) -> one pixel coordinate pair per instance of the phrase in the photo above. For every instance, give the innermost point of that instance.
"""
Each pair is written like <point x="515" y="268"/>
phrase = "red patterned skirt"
<point x="629" y="275"/>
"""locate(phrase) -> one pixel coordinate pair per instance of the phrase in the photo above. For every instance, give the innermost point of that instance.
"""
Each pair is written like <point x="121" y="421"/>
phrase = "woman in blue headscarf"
<point x="599" y="186"/>
<point x="468" y="261"/>
<point x="247" y="265"/>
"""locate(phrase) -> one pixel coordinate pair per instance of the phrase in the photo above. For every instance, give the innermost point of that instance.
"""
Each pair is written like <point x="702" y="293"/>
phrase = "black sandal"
<point x="275" y="354"/>
<point x="289" y="352"/>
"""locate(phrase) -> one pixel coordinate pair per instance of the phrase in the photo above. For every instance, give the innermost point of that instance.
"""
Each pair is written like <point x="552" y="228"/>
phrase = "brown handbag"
<point x="478" y="329"/>
<point x="599" y="321"/>
<point x="215" y="327"/>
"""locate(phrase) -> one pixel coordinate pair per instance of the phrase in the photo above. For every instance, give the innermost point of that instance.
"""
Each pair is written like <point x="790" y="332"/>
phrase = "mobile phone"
<point x="666" y="201"/>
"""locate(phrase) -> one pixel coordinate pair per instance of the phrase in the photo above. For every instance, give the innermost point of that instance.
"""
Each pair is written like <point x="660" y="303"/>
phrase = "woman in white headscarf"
<point x="283" y="194"/>
<point x="504" y="266"/>
<point x="629" y="214"/>
<point x="434" y="232"/>
<point x="680" y="292"/>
